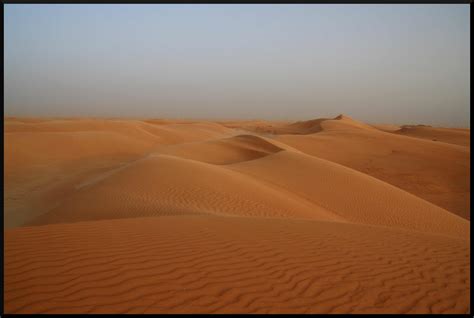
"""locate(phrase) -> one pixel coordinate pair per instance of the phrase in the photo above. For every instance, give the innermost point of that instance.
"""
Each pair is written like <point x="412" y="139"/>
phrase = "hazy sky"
<point x="377" y="63"/>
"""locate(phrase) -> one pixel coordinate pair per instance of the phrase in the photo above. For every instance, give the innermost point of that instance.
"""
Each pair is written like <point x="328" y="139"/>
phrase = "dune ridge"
<point x="328" y="215"/>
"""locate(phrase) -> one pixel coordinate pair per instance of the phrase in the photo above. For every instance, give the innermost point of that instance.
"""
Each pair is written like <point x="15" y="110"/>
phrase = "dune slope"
<point x="435" y="171"/>
<point x="45" y="159"/>
<point x="206" y="264"/>
<point x="353" y="196"/>
<point x="166" y="185"/>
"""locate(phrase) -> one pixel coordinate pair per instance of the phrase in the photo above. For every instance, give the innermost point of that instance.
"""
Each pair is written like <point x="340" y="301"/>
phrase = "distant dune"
<point x="452" y="136"/>
<point x="328" y="215"/>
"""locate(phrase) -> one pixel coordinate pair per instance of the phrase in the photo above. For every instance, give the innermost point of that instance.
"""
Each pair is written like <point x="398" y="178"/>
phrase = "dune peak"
<point x="342" y="116"/>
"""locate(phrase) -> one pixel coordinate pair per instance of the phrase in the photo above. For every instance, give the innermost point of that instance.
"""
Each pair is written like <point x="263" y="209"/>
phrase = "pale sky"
<point x="394" y="63"/>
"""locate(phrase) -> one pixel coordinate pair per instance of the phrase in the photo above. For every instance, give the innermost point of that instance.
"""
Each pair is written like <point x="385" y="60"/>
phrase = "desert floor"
<point x="167" y="216"/>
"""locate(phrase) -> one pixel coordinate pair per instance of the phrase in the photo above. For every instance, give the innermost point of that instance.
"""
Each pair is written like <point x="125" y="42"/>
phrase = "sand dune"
<point x="145" y="131"/>
<point x="166" y="185"/>
<point x="435" y="171"/>
<point x="59" y="141"/>
<point x="205" y="264"/>
<point x="354" y="196"/>
<point x="47" y="156"/>
<point x="327" y="215"/>
<point x="452" y="136"/>
<point x="35" y="163"/>
<point x="305" y="127"/>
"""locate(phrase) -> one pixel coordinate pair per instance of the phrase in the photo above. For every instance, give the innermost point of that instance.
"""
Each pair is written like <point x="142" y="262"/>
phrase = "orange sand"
<point x="164" y="216"/>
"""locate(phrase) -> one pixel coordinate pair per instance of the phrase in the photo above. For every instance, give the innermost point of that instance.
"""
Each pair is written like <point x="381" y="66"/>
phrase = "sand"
<point x="187" y="216"/>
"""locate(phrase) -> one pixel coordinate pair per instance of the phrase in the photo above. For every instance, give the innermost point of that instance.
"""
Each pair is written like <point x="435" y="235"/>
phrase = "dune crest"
<point x="328" y="215"/>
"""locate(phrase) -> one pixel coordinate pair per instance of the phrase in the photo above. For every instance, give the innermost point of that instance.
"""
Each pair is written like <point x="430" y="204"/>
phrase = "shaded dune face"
<point x="226" y="151"/>
<point x="166" y="216"/>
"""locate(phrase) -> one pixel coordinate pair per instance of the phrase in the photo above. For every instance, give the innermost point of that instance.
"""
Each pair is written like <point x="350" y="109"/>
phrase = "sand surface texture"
<point x="179" y="216"/>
